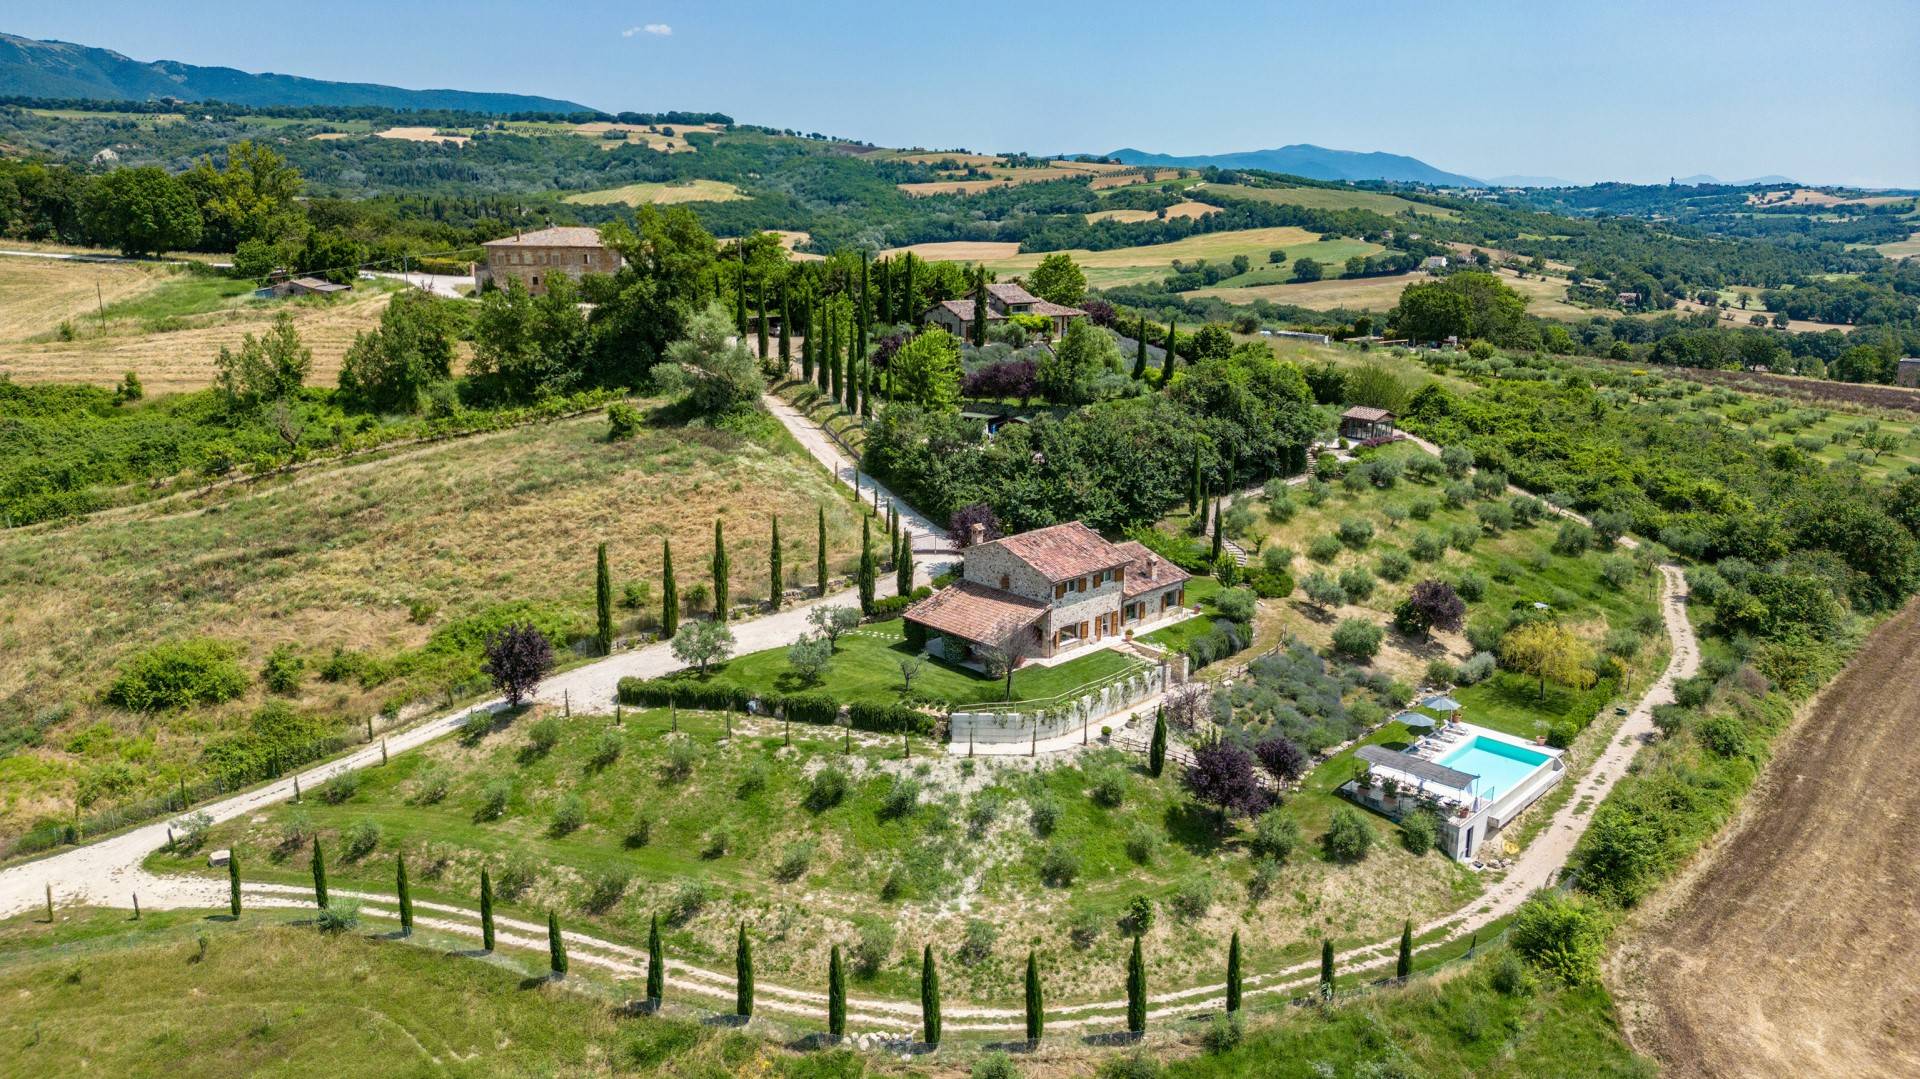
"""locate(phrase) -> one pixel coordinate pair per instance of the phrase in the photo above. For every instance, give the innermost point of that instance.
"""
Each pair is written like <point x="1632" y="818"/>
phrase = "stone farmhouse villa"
<point x="1003" y="302"/>
<point x="532" y="258"/>
<point x="1047" y="592"/>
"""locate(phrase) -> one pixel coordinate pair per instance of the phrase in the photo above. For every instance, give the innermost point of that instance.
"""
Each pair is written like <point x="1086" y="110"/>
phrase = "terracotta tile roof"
<point x="1045" y="307"/>
<point x="316" y="284"/>
<point x="964" y="309"/>
<point x="1011" y="293"/>
<point x="1064" y="551"/>
<point x="975" y="612"/>
<point x="1365" y="414"/>
<point x="1147" y="572"/>
<point x="559" y="236"/>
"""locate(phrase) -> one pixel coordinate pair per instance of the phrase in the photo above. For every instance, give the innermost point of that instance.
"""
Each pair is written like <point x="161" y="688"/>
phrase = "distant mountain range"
<point x="1314" y="163"/>
<point x="1529" y="181"/>
<point x="30" y="68"/>
<point x="1702" y="179"/>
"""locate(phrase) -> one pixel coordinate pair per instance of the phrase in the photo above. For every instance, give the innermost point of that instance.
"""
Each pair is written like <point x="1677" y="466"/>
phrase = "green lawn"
<point x="866" y="667"/>
<point x="1176" y="638"/>
<point x="184" y="294"/>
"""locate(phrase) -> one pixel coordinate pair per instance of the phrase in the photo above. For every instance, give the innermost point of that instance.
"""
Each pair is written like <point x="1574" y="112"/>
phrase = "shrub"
<point x="1348" y="838"/>
<point x="177" y="674"/>
<point x="870" y="952"/>
<point x="996" y="1065"/>
<point x="568" y="816"/>
<point x="1418" y="832"/>
<point x="1509" y="976"/>
<point x="753" y="780"/>
<point x="1044" y="815"/>
<point x="976" y="941"/>
<point x="607" y="747"/>
<point x="1572" y="539"/>
<point x="682" y="755"/>
<point x="1357" y="638"/>
<point x="1270" y="585"/>
<point x="1723" y="734"/>
<point x="1138" y="920"/>
<point x="1266" y="875"/>
<point x="1323" y="591"/>
<point x="827" y="789"/>
<point x="623" y="421"/>
<point x="493" y="800"/>
<point x="901" y="799"/>
<point x="476" y="726"/>
<point x="688" y="900"/>
<point x="1478" y="668"/>
<point x="1472" y="586"/>
<point x="338" y="916"/>
<point x="1394" y="565"/>
<point x="1427" y="547"/>
<point x="639" y="830"/>
<point x="716" y="843"/>
<point x="544" y="735"/>
<point x="283" y="669"/>
<point x="1356" y="532"/>
<point x="1440" y="671"/>
<point x="794" y="862"/>
<point x="1618" y="570"/>
<point x="604" y="890"/>
<point x="1059" y="865"/>
<point x="1422" y="509"/>
<point x="1108" y="787"/>
<point x="1357" y="583"/>
<point x="1193" y="898"/>
<point x="1135" y="1065"/>
<point x="1275" y="835"/>
<point x="340" y="787"/>
<point x="1225" y="1033"/>
<point x="1324" y="548"/>
<point x="1560" y="936"/>
<point x="430" y="788"/>
<point x="1237" y="604"/>
<point x="1142" y="841"/>
<point x="360" y="839"/>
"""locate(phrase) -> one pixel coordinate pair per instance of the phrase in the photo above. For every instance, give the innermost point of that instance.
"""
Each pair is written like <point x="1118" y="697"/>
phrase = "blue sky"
<point x="1819" y="90"/>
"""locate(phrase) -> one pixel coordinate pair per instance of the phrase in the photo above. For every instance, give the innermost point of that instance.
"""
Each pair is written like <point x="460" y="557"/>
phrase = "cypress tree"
<point x="866" y="565"/>
<point x="1136" y="990"/>
<point x="1217" y="537"/>
<point x="1193" y="491"/>
<point x="1404" y="968"/>
<point x="721" y="571"/>
<point x="906" y="293"/>
<point x="556" y="948"/>
<point x="403" y="895"/>
<point x="929" y="998"/>
<point x="1326" y="967"/>
<point x="1140" y="351"/>
<point x="656" y="964"/>
<point x="1036" y="1008"/>
<point x="743" y="975"/>
<point x="786" y="344"/>
<point x="866" y="305"/>
<point x="760" y="301"/>
<point x="486" y="910"/>
<point x="903" y="566"/>
<point x="838" y="390"/>
<point x="980" y="308"/>
<point x="233" y="884"/>
<point x="820" y="551"/>
<point x="669" y="593"/>
<point x="740" y="291"/>
<point x="603" y="601"/>
<point x="319" y="876"/>
<point x="806" y="346"/>
<point x="1233" y="973"/>
<point x="885" y="271"/>
<point x="822" y="328"/>
<point x="1157" y="749"/>
<point x="776" y="579"/>
<point x="836" y="995"/>
<point x="1166" y="365"/>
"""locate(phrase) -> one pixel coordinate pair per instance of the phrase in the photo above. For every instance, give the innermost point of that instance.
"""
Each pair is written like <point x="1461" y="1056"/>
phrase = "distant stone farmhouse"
<point x="1907" y="373"/>
<point x="1003" y="301"/>
<point x="1044" y="592"/>
<point x="532" y="258"/>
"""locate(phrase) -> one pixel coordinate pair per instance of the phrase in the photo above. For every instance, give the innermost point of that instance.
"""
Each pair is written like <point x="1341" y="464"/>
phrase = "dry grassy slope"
<point x="340" y="561"/>
<point x="1791" y="949"/>
<point x="37" y="294"/>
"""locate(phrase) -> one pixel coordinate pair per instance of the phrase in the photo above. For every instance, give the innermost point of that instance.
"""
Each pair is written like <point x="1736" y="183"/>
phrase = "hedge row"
<point x="815" y="707"/>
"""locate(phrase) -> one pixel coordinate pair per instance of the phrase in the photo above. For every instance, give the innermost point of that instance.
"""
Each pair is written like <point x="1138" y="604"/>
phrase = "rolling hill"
<point x="1312" y="162"/>
<point x="30" y="68"/>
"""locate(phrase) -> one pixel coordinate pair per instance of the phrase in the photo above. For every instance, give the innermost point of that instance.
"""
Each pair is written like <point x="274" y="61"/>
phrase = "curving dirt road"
<point x="1794" y="948"/>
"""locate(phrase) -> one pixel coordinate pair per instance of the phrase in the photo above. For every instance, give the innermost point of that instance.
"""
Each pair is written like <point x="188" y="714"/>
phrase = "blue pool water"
<point x="1501" y="766"/>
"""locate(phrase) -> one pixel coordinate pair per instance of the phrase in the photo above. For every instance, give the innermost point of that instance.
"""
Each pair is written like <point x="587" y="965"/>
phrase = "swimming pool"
<point x="1501" y="766"/>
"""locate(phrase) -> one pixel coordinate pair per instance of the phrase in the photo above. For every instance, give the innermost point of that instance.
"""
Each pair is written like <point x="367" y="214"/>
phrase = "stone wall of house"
<point x="1077" y="607"/>
<point x="987" y="563"/>
<point x="526" y="263"/>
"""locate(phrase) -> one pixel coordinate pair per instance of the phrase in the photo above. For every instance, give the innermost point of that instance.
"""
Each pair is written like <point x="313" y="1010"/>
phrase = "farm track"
<point x="1791" y="948"/>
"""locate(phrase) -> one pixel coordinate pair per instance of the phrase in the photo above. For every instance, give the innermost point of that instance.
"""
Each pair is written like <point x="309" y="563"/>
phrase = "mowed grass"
<point x="866" y="667"/>
<point x="1323" y="198"/>
<point x="164" y="324"/>
<point x="1134" y="265"/>
<point x="658" y="194"/>
<point x="734" y="834"/>
<point x="1546" y="296"/>
<point x="272" y="996"/>
<point x="372" y="557"/>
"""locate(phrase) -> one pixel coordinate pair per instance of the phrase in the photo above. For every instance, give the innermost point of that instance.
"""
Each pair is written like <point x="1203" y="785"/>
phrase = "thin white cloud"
<point x="657" y="29"/>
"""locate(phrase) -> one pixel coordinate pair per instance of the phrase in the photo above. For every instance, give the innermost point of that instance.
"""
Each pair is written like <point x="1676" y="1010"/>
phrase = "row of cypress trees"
<point x="721" y="569"/>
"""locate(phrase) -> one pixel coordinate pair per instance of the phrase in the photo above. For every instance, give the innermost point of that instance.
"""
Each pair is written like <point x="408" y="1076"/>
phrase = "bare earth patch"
<point x="1791" y="949"/>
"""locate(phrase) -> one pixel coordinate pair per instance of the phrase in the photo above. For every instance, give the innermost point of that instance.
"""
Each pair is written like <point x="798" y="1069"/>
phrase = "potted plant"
<point x="1390" y="787"/>
<point x="1363" y="778"/>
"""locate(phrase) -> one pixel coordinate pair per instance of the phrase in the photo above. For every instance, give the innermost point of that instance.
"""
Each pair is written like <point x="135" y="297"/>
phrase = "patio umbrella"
<point x="1441" y="703"/>
<point x="1415" y="720"/>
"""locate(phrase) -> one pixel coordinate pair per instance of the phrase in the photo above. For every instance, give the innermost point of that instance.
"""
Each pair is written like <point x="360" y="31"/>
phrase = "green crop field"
<point x="1323" y="198"/>
<point x="1135" y="265"/>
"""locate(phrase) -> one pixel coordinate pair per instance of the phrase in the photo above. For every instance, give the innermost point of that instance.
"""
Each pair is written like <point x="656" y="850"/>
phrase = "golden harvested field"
<point x="421" y="134"/>
<point x="652" y="136"/>
<point x="374" y="556"/>
<point x="1744" y="318"/>
<point x="36" y="294"/>
<point x="328" y="136"/>
<point x="1900" y="249"/>
<point x="959" y="250"/>
<point x="1135" y="175"/>
<point x="168" y="352"/>
<point x="1807" y="196"/>
<point x="961" y="184"/>
<point x="1177" y="210"/>
<point x="644" y="194"/>
<point x="1322" y="198"/>
<point x="1547" y="297"/>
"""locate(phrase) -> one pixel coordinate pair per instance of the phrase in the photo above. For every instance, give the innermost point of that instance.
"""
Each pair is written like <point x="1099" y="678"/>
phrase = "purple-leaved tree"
<point x="1430" y="605"/>
<point x="517" y="656"/>
<point x="1222" y="776"/>
<point x="1282" y="759"/>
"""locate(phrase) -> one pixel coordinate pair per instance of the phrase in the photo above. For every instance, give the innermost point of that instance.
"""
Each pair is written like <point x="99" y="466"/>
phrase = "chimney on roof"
<point x="1153" y="566"/>
<point x="976" y="533"/>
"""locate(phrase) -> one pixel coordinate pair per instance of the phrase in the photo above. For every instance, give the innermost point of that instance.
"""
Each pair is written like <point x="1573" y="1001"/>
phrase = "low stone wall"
<point x="983" y="728"/>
